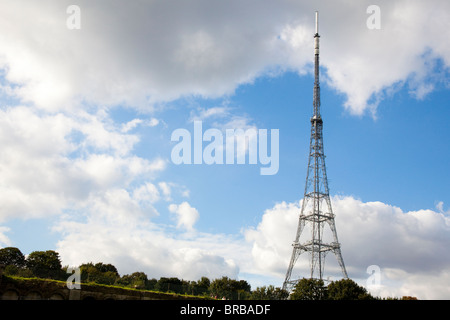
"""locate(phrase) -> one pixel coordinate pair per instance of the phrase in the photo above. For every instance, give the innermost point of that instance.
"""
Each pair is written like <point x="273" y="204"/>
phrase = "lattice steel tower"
<point x="316" y="213"/>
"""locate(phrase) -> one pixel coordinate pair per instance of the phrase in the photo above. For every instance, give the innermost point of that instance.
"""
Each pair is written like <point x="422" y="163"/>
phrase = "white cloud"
<point x="117" y="231"/>
<point x="68" y="153"/>
<point x="209" y="49"/>
<point x="412" y="241"/>
<point x="50" y="162"/>
<point x="102" y="135"/>
<point x="272" y="239"/>
<point x="166" y="189"/>
<point x="153" y="122"/>
<point x="105" y="170"/>
<point x="365" y="64"/>
<point x="4" y="240"/>
<point x="409" y="247"/>
<point x="147" y="193"/>
<point x="186" y="215"/>
<point x="426" y="285"/>
<point x="243" y="132"/>
<point x="130" y="125"/>
<point x="214" y="112"/>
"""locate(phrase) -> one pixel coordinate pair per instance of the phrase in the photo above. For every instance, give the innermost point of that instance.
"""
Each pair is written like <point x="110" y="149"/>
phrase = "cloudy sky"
<point x="89" y="100"/>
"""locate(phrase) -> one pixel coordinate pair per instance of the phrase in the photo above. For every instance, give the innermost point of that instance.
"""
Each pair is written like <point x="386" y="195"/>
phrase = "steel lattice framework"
<point x="316" y="211"/>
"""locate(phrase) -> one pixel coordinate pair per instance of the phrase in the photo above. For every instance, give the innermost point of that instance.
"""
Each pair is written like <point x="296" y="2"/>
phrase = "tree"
<point x="309" y="289"/>
<point x="45" y="264"/>
<point x="151" y="284"/>
<point x="14" y="262"/>
<point x="136" y="280"/>
<point x="12" y="256"/>
<point x="102" y="267"/>
<point x="347" y="289"/>
<point x="139" y="277"/>
<point x="269" y="293"/>
<point x="169" y="284"/>
<point x="99" y="273"/>
<point x="230" y="289"/>
<point x="201" y="286"/>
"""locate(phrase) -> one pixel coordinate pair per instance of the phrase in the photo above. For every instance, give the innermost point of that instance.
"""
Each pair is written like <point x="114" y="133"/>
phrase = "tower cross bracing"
<point x="316" y="212"/>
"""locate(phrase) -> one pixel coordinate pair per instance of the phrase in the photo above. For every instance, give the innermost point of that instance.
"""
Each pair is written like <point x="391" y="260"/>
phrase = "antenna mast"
<point x="316" y="212"/>
<point x="316" y="101"/>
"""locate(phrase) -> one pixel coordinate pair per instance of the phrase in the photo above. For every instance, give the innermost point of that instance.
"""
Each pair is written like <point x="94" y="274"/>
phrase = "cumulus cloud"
<point x="152" y="122"/>
<point x="117" y="230"/>
<point x="272" y="238"/>
<point x="243" y="133"/>
<point x="412" y="241"/>
<point x="186" y="215"/>
<point x="61" y="149"/>
<point x="144" y="53"/>
<point x="166" y="189"/>
<point x="215" y="112"/>
<point x="54" y="161"/>
<point x="373" y="63"/>
<point x="409" y="247"/>
<point x="147" y="193"/>
<point x="4" y="240"/>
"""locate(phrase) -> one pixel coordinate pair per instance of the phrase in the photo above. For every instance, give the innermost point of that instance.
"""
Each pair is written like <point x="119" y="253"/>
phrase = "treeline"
<point x="47" y="265"/>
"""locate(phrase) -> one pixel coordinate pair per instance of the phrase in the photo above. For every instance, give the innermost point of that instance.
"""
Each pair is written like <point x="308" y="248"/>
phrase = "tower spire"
<point x="316" y="100"/>
<point x="317" y="22"/>
<point x="316" y="211"/>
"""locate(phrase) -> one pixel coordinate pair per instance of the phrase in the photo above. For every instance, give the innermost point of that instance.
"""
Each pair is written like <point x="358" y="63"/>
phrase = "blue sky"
<point x="87" y="117"/>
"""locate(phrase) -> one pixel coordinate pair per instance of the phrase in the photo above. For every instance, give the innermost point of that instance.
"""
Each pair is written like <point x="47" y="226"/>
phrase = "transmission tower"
<point x="316" y="213"/>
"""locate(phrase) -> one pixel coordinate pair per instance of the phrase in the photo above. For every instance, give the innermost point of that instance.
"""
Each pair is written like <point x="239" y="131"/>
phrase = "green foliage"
<point x="169" y="285"/>
<point x="104" y="268"/>
<point x="230" y="289"/>
<point x="344" y="289"/>
<point x="201" y="287"/>
<point x="12" y="270"/>
<point x="347" y="289"/>
<point x="269" y="293"/>
<point x="151" y="284"/>
<point x="136" y="280"/>
<point x="45" y="264"/>
<point x="11" y="256"/>
<point x="99" y="273"/>
<point x="14" y="262"/>
<point x="409" y="298"/>
<point x="309" y="289"/>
